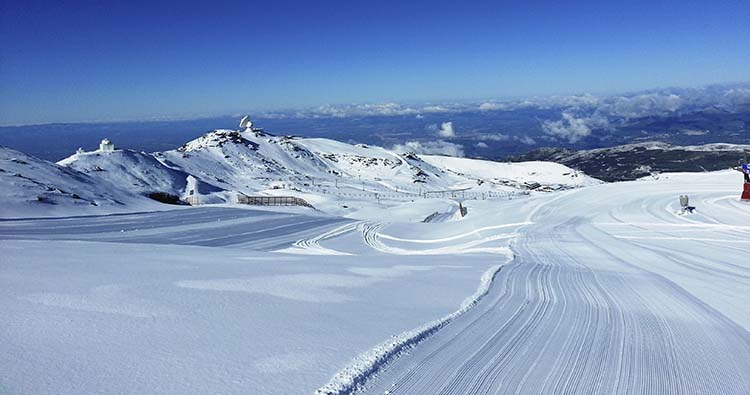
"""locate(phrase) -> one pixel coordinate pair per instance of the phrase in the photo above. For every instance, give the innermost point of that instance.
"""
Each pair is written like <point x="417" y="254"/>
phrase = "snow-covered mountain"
<point x="138" y="172"/>
<point x="335" y="177"/>
<point x="31" y="187"/>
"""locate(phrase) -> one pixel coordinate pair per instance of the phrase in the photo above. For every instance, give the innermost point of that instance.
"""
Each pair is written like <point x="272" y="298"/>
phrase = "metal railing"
<point x="273" y="201"/>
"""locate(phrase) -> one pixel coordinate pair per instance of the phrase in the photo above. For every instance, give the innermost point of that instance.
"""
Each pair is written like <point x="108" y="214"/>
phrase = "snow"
<point x="203" y="307"/>
<point x="611" y="289"/>
<point x="383" y="288"/>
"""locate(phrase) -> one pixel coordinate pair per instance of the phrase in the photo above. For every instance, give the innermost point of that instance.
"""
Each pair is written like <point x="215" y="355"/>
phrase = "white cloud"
<point x="526" y="140"/>
<point x="435" y="109"/>
<point x="627" y="106"/>
<point x="438" y="147"/>
<point x="481" y="145"/>
<point x="569" y="128"/>
<point x="576" y="101"/>
<point x="572" y="128"/>
<point x="494" y="137"/>
<point x="376" y="109"/>
<point x="358" y="110"/>
<point x="641" y="105"/>
<point x="446" y="130"/>
<point x="490" y="106"/>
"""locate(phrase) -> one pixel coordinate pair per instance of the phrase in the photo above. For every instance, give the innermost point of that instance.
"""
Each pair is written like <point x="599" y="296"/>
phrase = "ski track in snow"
<point x="207" y="226"/>
<point x="312" y="245"/>
<point x="371" y="235"/>
<point x="574" y="313"/>
<point x="451" y="238"/>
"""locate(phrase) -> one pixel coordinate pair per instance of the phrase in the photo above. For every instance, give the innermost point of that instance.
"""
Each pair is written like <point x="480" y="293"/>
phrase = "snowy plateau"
<point x="401" y="274"/>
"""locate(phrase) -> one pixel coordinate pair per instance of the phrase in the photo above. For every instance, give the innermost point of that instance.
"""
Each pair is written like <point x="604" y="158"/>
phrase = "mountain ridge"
<point x="632" y="161"/>
<point x="334" y="176"/>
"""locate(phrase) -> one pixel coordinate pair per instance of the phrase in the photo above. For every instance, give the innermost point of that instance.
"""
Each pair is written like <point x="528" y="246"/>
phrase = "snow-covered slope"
<point x="31" y="187"/>
<point x="253" y="161"/>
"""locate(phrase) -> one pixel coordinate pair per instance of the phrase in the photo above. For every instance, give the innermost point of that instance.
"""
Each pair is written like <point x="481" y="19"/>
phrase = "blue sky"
<point x="80" y="61"/>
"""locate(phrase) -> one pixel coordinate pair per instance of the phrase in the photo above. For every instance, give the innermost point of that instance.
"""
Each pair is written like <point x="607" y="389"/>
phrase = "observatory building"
<point x="246" y="123"/>
<point x="106" y="146"/>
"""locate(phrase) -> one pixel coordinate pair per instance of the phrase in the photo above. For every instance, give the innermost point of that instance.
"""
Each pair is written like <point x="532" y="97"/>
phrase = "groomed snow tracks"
<point x="557" y="321"/>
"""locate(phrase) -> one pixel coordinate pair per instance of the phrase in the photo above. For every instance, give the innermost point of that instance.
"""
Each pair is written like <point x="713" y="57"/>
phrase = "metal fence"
<point x="273" y="201"/>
